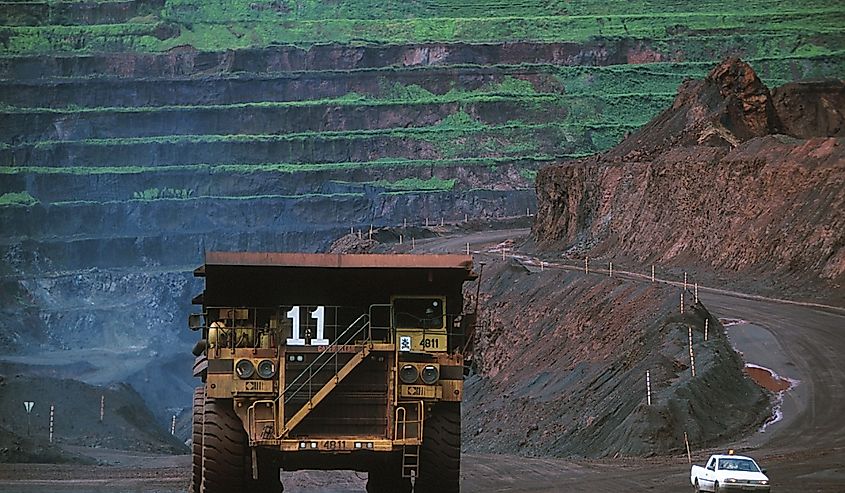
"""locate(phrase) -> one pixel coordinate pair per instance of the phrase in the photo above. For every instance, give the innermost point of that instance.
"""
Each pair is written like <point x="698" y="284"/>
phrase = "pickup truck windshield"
<point x="738" y="465"/>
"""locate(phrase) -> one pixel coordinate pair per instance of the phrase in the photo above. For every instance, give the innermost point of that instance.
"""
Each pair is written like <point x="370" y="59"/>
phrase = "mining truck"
<point x="329" y="361"/>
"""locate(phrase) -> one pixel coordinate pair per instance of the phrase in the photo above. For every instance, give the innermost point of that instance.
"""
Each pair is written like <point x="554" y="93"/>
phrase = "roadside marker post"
<point x="691" y="352"/>
<point x="28" y="405"/>
<point x="467" y="248"/>
<point x="696" y="292"/>
<point x="586" y="265"/>
<point x="52" y="414"/>
<point x="173" y="426"/>
<point x="686" y="442"/>
<point x="405" y="222"/>
<point x="685" y="281"/>
<point x="682" y="302"/>
<point x="102" y="407"/>
<point x="610" y="271"/>
<point x="706" y="327"/>
<point x="648" y="385"/>
<point x="466" y="217"/>
<point x="652" y="273"/>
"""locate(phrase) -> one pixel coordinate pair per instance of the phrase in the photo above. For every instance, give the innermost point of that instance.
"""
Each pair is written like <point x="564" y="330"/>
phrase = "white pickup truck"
<point x="724" y="473"/>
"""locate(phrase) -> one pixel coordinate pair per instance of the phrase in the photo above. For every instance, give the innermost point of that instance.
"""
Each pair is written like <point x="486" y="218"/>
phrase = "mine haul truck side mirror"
<point x="195" y="321"/>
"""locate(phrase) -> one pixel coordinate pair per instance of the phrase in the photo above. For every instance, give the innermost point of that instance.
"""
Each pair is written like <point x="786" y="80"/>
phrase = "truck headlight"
<point x="409" y="374"/>
<point x="430" y="374"/>
<point x="244" y="368"/>
<point x="266" y="369"/>
<point x="730" y="480"/>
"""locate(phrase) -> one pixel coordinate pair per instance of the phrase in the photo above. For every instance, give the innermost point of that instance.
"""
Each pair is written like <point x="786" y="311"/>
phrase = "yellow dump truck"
<point x="327" y="361"/>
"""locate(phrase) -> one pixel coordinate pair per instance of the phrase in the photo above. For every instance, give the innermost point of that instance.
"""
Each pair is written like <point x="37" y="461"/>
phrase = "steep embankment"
<point x="562" y="359"/>
<point x="127" y="423"/>
<point x="731" y="182"/>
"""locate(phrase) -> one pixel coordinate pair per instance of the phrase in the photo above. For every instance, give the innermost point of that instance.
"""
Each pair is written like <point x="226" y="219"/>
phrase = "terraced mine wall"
<point x="136" y="134"/>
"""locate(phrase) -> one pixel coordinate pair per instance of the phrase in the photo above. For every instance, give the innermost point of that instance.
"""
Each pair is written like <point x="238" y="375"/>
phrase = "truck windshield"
<point x="418" y="313"/>
<point x="744" y="465"/>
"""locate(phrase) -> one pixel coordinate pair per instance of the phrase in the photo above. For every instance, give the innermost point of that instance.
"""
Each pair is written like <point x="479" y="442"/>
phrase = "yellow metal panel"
<point x="252" y="386"/>
<point x="420" y="391"/>
<point x="219" y="386"/>
<point x="431" y="342"/>
<point x="453" y="390"/>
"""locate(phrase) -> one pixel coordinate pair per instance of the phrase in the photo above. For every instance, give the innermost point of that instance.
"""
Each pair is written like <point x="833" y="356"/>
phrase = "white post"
<point x="682" y="302"/>
<point x="648" y="385"/>
<point x="610" y="272"/>
<point x="102" y="407"/>
<point x="696" y="292"/>
<point x="352" y="230"/>
<point x="467" y="248"/>
<point x="426" y="222"/>
<point x="686" y="442"/>
<point x="586" y="265"/>
<point x="652" y="273"/>
<point x="542" y="264"/>
<point x="371" y="232"/>
<point x="503" y="253"/>
<point x="405" y="222"/>
<point x="442" y="222"/>
<point x="400" y="238"/>
<point x="706" y="327"/>
<point x="52" y="413"/>
<point x="466" y="217"/>
<point x="413" y="243"/>
<point x="685" y="281"/>
<point x="691" y="353"/>
<point x="528" y="212"/>
<point x="173" y="425"/>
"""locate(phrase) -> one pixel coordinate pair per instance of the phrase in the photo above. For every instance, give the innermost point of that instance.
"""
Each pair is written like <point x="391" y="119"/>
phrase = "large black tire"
<point x="387" y="478"/>
<point x="440" y="454"/>
<point x="196" y="440"/>
<point x="225" y="454"/>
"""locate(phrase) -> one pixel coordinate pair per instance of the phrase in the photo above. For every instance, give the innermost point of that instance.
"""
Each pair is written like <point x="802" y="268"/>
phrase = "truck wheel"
<point x="440" y="453"/>
<point x="388" y="479"/>
<point x="224" y="448"/>
<point x="716" y="488"/>
<point x="196" y="440"/>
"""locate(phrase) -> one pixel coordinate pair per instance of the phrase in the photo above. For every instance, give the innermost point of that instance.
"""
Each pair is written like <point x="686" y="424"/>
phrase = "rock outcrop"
<point x="732" y="179"/>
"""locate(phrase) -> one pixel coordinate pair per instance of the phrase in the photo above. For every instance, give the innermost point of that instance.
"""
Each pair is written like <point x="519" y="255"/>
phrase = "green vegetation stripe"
<point x="277" y="167"/>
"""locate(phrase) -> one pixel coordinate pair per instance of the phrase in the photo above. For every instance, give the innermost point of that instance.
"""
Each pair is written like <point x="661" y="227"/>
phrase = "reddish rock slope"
<point x="733" y="182"/>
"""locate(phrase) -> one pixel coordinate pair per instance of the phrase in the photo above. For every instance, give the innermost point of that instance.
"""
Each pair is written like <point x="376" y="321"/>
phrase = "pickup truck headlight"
<point x="730" y="480"/>
<point x="763" y="481"/>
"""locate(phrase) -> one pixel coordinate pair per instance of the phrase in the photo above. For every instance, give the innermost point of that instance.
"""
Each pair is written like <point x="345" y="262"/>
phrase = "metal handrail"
<point x="330" y="350"/>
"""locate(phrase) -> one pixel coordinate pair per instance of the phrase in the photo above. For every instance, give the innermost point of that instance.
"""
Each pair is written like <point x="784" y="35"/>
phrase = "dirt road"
<point x="803" y="451"/>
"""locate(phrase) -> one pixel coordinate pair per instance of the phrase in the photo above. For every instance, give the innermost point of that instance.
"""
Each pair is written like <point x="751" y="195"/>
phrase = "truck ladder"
<point x="410" y="452"/>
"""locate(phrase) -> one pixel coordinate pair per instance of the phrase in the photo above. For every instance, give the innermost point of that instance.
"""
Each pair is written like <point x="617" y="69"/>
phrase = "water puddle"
<point x="771" y="381"/>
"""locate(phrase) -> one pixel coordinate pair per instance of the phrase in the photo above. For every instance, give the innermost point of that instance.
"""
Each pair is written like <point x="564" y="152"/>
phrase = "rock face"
<point x="561" y="362"/>
<point x="731" y="179"/>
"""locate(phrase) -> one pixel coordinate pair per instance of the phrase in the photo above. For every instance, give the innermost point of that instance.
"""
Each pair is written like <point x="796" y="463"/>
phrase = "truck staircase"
<point x="304" y="382"/>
